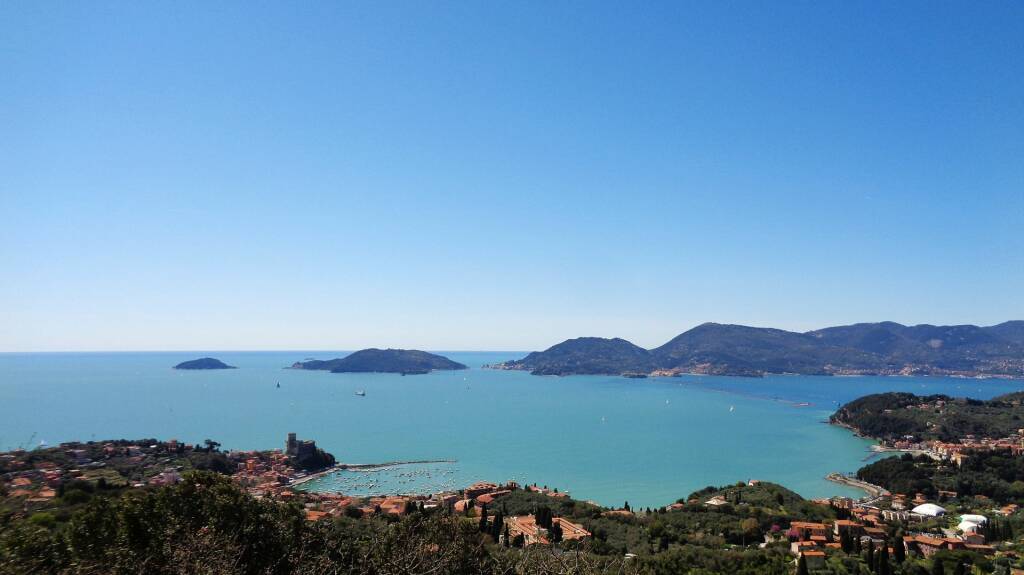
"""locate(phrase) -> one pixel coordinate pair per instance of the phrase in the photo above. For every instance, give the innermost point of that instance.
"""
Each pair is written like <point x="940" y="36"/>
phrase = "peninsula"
<point x="915" y="421"/>
<point x="204" y="363"/>
<point x="885" y="348"/>
<point x="404" y="361"/>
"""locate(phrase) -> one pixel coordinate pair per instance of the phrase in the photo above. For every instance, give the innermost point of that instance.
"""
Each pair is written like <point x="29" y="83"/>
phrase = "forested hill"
<point x="885" y="348"/>
<point x="383" y="360"/>
<point x="894" y="415"/>
<point x="588" y="355"/>
<point x="203" y="363"/>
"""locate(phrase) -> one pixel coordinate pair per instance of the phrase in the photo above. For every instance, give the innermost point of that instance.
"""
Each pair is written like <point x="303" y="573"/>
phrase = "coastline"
<point x="874" y="491"/>
<point x="361" y="467"/>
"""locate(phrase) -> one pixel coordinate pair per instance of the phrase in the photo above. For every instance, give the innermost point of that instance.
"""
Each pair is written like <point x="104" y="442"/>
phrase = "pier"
<point x="874" y="491"/>
<point x="365" y="466"/>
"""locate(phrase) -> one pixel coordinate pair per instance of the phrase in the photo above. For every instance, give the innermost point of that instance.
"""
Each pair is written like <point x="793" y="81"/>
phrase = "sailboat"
<point x="361" y="393"/>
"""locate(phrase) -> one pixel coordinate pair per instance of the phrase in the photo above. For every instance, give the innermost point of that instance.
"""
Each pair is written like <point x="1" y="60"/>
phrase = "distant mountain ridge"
<point x="884" y="348"/>
<point x="405" y="361"/>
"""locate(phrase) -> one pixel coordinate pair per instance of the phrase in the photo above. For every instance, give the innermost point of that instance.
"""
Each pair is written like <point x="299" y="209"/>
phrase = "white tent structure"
<point x="929" y="510"/>
<point x="979" y="519"/>
<point x="968" y="526"/>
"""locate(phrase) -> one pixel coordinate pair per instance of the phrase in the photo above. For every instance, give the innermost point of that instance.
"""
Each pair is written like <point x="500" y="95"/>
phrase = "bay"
<point x="608" y="439"/>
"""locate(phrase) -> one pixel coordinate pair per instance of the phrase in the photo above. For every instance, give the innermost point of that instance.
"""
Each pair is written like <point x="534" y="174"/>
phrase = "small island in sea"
<point x="404" y="361"/>
<point x="204" y="363"/>
<point x="885" y="348"/>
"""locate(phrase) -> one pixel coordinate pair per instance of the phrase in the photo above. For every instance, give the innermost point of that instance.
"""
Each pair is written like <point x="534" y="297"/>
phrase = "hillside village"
<point x="48" y="485"/>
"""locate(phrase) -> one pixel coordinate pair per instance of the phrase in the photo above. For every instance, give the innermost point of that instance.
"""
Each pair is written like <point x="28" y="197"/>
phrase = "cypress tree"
<point x="543" y="517"/>
<point x="801" y="565"/>
<point x="871" y="554"/>
<point x="497" y="525"/>
<point x="846" y="542"/>
<point x="899" y="553"/>
<point x="483" y="518"/>
<point x="555" y="532"/>
<point x="883" y="560"/>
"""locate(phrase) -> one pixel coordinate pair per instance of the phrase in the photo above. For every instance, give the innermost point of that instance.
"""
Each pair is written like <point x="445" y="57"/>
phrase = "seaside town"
<point x="881" y="524"/>
<point x="30" y="482"/>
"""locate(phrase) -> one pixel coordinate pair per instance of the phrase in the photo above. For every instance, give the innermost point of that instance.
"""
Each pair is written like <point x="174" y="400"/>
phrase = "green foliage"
<point x="702" y="560"/>
<point x="993" y="474"/>
<point x="897" y="414"/>
<point x="207" y="525"/>
<point x="555" y="532"/>
<point x="801" y="566"/>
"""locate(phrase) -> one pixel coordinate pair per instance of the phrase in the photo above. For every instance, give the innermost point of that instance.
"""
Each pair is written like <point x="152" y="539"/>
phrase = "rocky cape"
<point x="885" y="348"/>
<point x="404" y="361"/>
<point x="204" y="363"/>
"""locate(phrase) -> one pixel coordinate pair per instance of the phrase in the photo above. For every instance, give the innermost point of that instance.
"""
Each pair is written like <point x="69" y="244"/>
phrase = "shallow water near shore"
<point x="608" y="439"/>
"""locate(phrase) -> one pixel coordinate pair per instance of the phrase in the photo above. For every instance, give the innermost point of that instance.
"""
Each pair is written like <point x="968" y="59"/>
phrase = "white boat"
<point x="361" y="393"/>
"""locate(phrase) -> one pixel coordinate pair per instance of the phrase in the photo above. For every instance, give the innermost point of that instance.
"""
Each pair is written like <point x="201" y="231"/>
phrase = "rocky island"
<point x="885" y="348"/>
<point x="204" y="363"/>
<point x="404" y="361"/>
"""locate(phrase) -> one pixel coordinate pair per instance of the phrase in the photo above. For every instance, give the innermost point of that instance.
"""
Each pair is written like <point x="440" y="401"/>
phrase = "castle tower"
<point x="291" y="446"/>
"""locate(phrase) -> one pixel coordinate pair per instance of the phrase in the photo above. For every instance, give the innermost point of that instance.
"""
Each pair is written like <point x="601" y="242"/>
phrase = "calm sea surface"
<point x="609" y="439"/>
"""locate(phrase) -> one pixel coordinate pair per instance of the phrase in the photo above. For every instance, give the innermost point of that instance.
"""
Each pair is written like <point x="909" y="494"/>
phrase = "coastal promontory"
<point x="885" y="348"/>
<point x="587" y="356"/>
<point x="204" y="363"/>
<point x="896" y="416"/>
<point x="404" y="361"/>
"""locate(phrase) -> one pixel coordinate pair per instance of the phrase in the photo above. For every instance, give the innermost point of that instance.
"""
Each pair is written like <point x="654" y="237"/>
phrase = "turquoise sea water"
<point x="610" y="439"/>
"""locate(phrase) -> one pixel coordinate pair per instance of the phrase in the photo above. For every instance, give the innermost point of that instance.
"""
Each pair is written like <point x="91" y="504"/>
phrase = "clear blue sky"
<point x="483" y="175"/>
